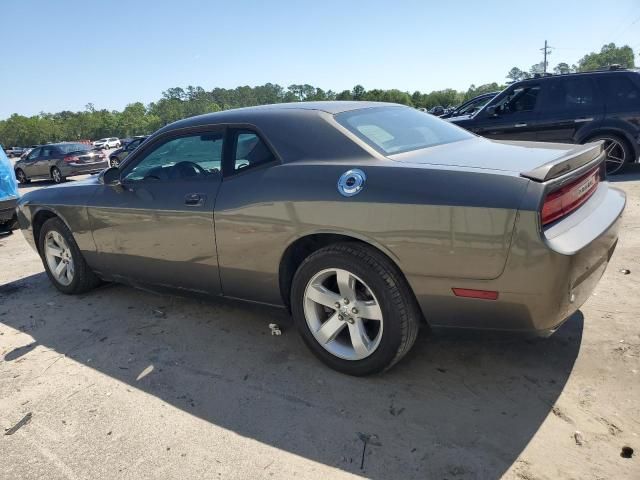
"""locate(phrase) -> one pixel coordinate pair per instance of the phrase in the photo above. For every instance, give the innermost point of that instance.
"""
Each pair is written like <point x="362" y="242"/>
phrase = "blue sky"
<point x="61" y="55"/>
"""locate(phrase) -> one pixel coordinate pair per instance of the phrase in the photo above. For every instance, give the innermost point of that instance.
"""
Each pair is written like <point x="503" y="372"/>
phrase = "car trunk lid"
<point x="536" y="161"/>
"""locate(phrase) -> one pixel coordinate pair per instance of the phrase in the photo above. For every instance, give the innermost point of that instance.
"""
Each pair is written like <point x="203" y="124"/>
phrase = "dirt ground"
<point x="121" y="383"/>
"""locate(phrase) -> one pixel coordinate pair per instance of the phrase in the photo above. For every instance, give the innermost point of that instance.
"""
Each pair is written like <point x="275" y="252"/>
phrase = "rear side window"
<point x="392" y="130"/>
<point x="249" y="150"/>
<point x="572" y="94"/>
<point x="618" y="91"/>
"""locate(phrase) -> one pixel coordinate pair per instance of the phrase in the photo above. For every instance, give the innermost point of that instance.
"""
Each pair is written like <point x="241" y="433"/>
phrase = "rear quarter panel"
<point x="430" y="221"/>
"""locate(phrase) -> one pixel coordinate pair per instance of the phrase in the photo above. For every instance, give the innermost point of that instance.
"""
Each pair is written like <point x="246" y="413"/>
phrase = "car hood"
<point x="506" y="156"/>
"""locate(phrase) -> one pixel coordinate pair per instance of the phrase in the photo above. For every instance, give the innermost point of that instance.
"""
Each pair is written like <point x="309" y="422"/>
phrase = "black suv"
<point x="569" y="108"/>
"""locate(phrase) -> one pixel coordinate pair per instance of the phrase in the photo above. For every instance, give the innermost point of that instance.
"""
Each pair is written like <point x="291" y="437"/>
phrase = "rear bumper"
<point x="71" y="169"/>
<point x="547" y="278"/>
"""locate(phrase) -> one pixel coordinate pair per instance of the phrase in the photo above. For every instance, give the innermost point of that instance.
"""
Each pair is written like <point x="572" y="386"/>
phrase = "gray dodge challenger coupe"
<point x="365" y="220"/>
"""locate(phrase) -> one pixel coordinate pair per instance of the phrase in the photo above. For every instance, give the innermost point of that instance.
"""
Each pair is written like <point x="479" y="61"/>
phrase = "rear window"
<point x="73" y="147"/>
<point x="392" y="130"/>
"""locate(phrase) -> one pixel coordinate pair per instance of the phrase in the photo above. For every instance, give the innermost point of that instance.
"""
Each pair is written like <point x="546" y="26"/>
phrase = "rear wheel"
<point x="618" y="152"/>
<point x="56" y="175"/>
<point x="115" y="162"/>
<point x="353" y="309"/>
<point x="22" y="177"/>
<point x="63" y="262"/>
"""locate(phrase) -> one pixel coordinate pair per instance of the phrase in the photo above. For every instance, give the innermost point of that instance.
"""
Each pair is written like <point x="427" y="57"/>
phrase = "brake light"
<point x="70" y="159"/>
<point x="567" y="199"/>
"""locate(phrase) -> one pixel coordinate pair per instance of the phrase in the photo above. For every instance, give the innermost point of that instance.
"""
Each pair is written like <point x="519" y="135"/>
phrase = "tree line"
<point x="608" y="55"/>
<point x="177" y="103"/>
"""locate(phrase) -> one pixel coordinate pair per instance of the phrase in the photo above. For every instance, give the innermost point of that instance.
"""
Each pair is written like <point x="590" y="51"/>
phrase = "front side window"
<point x="47" y="152"/>
<point x="133" y="145"/>
<point x="34" y="154"/>
<point x="521" y="99"/>
<point x="392" y="130"/>
<point x="249" y="151"/>
<point x="189" y="157"/>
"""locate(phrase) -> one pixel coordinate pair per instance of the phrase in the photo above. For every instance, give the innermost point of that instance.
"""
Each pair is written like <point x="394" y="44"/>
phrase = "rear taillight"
<point x="565" y="200"/>
<point x="70" y="159"/>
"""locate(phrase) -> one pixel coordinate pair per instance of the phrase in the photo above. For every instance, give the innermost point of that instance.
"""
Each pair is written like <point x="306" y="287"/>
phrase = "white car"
<point x="106" y="143"/>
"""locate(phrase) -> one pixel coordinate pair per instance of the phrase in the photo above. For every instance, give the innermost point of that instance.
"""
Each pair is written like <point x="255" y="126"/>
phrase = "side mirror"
<point x="491" y="111"/>
<point x="111" y="176"/>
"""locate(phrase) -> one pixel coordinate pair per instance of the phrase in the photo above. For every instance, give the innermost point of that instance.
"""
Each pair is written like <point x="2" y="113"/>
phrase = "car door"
<point x="45" y="161"/>
<point x="512" y="115"/>
<point x="569" y="105"/>
<point x="245" y="241"/>
<point x="28" y="166"/>
<point x="156" y="226"/>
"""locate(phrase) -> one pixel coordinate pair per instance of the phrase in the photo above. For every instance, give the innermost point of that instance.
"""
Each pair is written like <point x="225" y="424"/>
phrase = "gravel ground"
<point x="121" y="383"/>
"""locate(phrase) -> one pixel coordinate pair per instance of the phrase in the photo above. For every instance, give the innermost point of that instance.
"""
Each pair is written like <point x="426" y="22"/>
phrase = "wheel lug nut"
<point x="337" y="305"/>
<point x="340" y="317"/>
<point x="350" y="320"/>
<point x="345" y="301"/>
<point x="354" y="310"/>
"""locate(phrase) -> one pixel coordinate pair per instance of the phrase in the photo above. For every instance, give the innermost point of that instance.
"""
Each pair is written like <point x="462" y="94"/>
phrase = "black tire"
<point x="83" y="278"/>
<point x="56" y="175"/>
<point x="22" y="177"/>
<point x="400" y="310"/>
<point x="614" y="169"/>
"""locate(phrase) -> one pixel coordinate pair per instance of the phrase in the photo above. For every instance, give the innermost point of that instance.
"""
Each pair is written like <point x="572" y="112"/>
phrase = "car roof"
<point x="614" y="71"/>
<point x="247" y="114"/>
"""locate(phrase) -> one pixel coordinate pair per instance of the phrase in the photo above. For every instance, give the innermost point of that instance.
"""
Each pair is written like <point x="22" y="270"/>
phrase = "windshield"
<point x="392" y="130"/>
<point x="73" y="147"/>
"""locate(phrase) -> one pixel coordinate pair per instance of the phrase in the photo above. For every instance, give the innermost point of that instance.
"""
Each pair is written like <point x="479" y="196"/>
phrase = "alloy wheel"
<point x="616" y="155"/>
<point x="59" y="258"/>
<point x="343" y="314"/>
<point x="56" y="175"/>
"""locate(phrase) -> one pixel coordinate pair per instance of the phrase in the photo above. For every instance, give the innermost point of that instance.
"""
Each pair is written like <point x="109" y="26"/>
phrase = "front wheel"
<point x="115" y="162"/>
<point x="354" y="309"/>
<point x="63" y="262"/>
<point x="22" y="177"/>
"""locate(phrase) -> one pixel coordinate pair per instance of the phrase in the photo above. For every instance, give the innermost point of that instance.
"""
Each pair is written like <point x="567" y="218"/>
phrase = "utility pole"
<point x="546" y="50"/>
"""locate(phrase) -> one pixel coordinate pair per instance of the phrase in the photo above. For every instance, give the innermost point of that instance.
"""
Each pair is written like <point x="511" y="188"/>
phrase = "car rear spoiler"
<point x="575" y="158"/>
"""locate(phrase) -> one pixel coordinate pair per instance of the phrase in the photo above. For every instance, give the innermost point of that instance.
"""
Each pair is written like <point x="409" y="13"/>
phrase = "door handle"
<point x="580" y="120"/>
<point x="518" y="125"/>
<point x="194" y="199"/>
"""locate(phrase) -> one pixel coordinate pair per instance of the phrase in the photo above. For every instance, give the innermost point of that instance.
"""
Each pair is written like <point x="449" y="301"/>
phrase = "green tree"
<point x="515" y="74"/>
<point x="609" y="55"/>
<point x="562" y="68"/>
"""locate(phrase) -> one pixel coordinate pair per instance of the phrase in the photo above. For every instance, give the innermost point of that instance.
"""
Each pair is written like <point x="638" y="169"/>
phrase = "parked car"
<point x="438" y="110"/>
<point x="107" y="143"/>
<point x="120" y="154"/>
<point x="364" y="219"/>
<point x="8" y="195"/>
<point x="470" y="106"/>
<point x="14" y="152"/>
<point x="58" y="161"/>
<point x="573" y="108"/>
